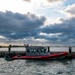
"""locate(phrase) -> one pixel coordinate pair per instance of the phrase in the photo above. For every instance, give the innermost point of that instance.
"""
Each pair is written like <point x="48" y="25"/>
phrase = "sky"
<point x="37" y="22"/>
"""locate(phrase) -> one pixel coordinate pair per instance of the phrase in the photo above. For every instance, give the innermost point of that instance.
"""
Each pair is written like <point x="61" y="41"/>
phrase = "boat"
<point x="35" y="53"/>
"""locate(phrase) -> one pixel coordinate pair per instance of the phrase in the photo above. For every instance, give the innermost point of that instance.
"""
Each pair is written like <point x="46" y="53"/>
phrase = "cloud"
<point x="53" y="1"/>
<point x="16" y="25"/>
<point x="60" y="32"/>
<point x="40" y="3"/>
<point x="2" y="37"/>
<point x="27" y="0"/>
<point x="69" y="11"/>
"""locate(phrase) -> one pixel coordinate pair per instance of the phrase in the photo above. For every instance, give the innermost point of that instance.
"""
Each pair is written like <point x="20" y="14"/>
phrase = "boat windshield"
<point x="38" y="50"/>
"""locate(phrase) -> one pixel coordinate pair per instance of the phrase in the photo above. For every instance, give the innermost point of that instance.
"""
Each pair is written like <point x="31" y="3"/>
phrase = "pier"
<point x="18" y="51"/>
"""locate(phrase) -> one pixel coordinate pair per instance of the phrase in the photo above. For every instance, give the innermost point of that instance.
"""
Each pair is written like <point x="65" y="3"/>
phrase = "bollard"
<point x="9" y="48"/>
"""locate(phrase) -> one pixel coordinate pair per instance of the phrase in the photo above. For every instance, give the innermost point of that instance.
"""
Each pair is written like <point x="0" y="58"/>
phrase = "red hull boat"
<point x="36" y="53"/>
<point x="51" y="56"/>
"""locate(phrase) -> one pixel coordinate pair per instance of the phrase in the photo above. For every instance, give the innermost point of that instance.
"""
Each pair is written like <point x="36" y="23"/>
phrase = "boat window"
<point x="34" y="50"/>
<point x="28" y="51"/>
<point x="43" y="50"/>
<point x="37" y="51"/>
<point x="31" y="50"/>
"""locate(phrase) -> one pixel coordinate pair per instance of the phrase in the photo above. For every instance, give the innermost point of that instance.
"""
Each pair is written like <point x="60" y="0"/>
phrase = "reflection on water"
<point x="32" y="67"/>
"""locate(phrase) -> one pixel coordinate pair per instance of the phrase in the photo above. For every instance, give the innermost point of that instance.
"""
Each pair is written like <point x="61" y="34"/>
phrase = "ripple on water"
<point x="27" y="67"/>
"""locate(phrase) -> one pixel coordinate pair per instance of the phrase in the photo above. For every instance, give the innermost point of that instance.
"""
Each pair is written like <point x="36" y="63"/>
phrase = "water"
<point x="32" y="67"/>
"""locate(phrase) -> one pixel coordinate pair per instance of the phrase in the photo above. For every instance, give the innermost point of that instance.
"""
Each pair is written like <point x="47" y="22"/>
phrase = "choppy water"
<point x="31" y="67"/>
<point x="28" y="67"/>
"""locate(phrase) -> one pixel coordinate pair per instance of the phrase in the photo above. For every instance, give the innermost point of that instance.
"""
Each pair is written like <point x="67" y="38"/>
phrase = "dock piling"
<point x="9" y="48"/>
<point x="48" y="49"/>
<point x="70" y="50"/>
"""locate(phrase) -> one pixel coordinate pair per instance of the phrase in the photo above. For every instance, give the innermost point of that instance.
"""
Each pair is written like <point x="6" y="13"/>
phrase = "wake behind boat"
<point x="35" y="53"/>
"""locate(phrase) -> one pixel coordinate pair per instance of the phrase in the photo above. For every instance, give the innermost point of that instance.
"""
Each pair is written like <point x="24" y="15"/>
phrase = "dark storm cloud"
<point x="66" y="28"/>
<point x="16" y="25"/>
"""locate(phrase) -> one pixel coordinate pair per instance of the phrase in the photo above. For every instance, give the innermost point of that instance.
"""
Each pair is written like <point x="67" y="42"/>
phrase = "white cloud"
<point x="15" y="6"/>
<point x="69" y="11"/>
<point x="29" y="40"/>
<point x="53" y="3"/>
<point x="54" y="0"/>
<point x="2" y="37"/>
<point x="27" y="0"/>
<point x="50" y="21"/>
<point x="50" y="35"/>
<point x="24" y="6"/>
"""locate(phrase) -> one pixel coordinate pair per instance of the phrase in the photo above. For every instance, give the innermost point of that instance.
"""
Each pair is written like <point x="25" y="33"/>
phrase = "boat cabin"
<point x="36" y="51"/>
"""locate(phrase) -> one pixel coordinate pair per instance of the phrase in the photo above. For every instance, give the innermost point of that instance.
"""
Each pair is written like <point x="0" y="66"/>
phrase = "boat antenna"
<point x="42" y="43"/>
